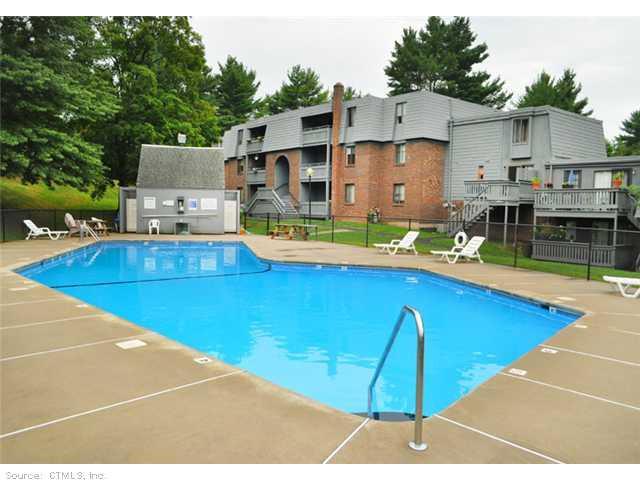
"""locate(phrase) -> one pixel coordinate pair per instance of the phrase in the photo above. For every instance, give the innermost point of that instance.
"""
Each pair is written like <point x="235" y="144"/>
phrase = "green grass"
<point x="354" y="233"/>
<point x="14" y="194"/>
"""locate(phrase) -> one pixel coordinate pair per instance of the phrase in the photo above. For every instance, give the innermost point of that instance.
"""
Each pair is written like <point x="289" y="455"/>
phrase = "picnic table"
<point x="293" y="230"/>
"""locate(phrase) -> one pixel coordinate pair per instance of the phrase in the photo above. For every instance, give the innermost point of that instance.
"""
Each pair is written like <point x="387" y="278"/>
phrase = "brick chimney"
<point x="336" y="150"/>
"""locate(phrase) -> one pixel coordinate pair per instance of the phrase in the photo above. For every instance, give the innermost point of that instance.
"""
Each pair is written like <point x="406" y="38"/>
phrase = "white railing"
<point x="499" y="191"/>
<point x="316" y="135"/>
<point x="593" y="199"/>
<point x="574" y="252"/>
<point x="317" y="208"/>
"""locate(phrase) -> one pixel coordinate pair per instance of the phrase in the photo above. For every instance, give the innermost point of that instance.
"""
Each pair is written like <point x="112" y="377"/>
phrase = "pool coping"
<point x="370" y="428"/>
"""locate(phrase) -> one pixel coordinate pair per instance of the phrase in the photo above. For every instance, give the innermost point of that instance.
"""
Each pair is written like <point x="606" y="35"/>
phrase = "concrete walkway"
<point x="68" y="394"/>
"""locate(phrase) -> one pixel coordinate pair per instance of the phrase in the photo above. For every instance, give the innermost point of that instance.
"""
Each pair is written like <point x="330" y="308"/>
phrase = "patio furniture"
<point x="471" y="251"/>
<point x="406" y="244"/>
<point x="35" y="231"/>
<point x="154" y="223"/>
<point x="79" y="227"/>
<point x="99" y="226"/>
<point x="292" y="230"/>
<point x="625" y="285"/>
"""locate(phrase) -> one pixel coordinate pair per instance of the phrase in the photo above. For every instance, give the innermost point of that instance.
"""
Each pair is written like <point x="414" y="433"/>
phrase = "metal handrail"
<point x="417" y="443"/>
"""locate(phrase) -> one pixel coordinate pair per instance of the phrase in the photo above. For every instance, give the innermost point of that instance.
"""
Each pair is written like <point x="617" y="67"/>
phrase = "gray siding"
<point x="473" y="145"/>
<point x="576" y="137"/>
<point x="588" y="171"/>
<point x="202" y="221"/>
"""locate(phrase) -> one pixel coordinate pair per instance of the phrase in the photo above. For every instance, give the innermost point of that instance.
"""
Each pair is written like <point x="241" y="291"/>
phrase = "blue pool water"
<point x="316" y="330"/>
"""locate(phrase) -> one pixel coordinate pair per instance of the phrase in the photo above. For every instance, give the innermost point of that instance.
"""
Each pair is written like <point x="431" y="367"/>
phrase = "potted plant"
<point x="548" y="184"/>
<point x="535" y="183"/>
<point x="617" y="180"/>
<point x="374" y="215"/>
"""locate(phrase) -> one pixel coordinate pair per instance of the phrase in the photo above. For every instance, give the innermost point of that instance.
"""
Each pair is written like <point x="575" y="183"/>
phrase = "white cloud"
<point x="354" y="51"/>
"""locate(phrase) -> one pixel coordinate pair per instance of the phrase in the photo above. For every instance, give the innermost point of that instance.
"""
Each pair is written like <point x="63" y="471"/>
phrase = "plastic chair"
<point x="154" y="223"/>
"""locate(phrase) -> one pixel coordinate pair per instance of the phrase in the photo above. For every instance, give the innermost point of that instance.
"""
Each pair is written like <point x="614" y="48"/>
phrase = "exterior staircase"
<point x="269" y="201"/>
<point x="473" y="210"/>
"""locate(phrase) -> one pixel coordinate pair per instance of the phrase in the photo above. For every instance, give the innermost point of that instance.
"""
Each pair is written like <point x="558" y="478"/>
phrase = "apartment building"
<point x="423" y="155"/>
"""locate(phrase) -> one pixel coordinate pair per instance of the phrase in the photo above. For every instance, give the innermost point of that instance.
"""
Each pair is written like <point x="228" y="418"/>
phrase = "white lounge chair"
<point x="154" y="224"/>
<point x="625" y="285"/>
<point x="471" y="251"/>
<point x="35" y="231"/>
<point x="406" y="244"/>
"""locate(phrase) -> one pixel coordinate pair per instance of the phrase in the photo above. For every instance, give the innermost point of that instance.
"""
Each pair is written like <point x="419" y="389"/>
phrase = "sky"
<point x="602" y="50"/>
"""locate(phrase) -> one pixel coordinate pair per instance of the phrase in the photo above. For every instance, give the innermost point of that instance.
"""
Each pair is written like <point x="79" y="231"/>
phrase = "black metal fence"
<point x="573" y="250"/>
<point x="12" y="225"/>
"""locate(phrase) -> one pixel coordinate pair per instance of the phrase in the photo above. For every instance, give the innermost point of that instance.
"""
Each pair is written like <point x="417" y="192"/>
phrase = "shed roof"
<point x="164" y="166"/>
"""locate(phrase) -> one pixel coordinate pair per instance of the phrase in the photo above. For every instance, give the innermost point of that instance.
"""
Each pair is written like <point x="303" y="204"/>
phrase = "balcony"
<point x="256" y="175"/>
<point x="496" y="192"/>
<point x="316" y="135"/>
<point x="318" y="209"/>
<point x="576" y="202"/>
<point x="254" y="145"/>
<point x="320" y="172"/>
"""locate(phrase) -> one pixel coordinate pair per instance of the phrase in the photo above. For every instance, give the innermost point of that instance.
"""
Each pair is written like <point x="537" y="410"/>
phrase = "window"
<point x="240" y="136"/>
<point x="572" y="179"/>
<point x="351" y="155"/>
<point x="240" y="166"/>
<point x="401" y="153"/>
<point x="400" y="113"/>
<point x="520" y="131"/>
<point x="349" y="193"/>
<point x="398" y="193"/>
<point x="351" y="116"/>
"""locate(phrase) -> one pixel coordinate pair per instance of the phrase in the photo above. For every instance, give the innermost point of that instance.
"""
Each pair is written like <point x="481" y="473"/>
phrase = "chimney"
<point x="336" y="157"/>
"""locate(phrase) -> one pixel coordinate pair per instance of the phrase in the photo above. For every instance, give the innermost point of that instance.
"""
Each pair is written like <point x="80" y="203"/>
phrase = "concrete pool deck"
<point x="69" y="395"/>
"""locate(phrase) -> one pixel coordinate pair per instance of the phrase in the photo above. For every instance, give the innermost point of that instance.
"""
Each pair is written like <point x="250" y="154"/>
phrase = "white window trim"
<point x="514" y="130"/>
<point x="399" y="146"/>
<point x="346" y="198"/>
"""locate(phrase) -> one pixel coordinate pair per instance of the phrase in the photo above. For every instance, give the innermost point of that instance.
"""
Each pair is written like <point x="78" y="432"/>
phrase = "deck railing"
<point x="256" y="175"/>
<point x="254" y="145"/>
<point x="499" y="191"/>
<point x="320" y="171"/>
<point x="583" y="199"/>
<point x="575" y="252"/>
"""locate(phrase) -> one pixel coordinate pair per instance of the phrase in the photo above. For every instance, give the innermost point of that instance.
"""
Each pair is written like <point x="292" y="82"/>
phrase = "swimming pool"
<point x="317" y="330"/>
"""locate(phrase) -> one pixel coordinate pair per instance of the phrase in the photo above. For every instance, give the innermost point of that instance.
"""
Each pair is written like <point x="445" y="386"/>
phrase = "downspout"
<point x="450" y="159"/>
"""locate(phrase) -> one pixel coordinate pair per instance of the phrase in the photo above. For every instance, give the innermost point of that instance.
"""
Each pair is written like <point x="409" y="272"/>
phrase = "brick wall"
<point x="375" y="173"/>
<point x="232" y="180"/>
<point x="293" y="156"/>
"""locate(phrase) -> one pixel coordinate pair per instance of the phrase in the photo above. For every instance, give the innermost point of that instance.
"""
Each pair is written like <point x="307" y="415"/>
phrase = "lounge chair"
<point x="625" y="285"/>
<point x="78" y="227"/>
<point x="35" y="231"/>
<point x="406" y="244"/>
<point x="100" y="226"/>
<point x="471" y="251"/>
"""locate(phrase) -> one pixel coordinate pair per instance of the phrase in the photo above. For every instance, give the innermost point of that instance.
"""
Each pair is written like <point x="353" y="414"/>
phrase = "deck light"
<point x="309" y="175"/>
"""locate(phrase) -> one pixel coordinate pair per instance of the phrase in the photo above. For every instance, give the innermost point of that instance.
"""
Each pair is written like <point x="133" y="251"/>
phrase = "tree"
<point x="350" y="93"/>
<point x="234" y="91"/>
<point x="159" y="72"/>
<point x="302" y="89"/>
<point x="441" y="58"/>
<point x="561" y="93"/>
<point x="54" y="89"/>
<point x="627" y="143"/>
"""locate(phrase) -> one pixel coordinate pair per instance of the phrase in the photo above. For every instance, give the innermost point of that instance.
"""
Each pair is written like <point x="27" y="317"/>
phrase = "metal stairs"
<point x="268" y="201"/>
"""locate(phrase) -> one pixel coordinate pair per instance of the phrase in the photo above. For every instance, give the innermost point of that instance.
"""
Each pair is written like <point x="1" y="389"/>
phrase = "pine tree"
<point x="350" y="93"/>
<point x="560" y="93"/>
<point x="54" y="88"/>
<point x="628" y="143"/>
<point x="441" y="58"/>
<point x="234" y="91"/>
<point x="302" y="89"/>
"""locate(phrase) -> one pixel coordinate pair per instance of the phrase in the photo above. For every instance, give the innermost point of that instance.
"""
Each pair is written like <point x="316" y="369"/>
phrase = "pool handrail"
<point x="416" y="443"/>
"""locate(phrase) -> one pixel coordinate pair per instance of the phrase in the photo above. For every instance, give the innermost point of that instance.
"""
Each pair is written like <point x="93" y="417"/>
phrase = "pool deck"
<point x="70" y="395"/>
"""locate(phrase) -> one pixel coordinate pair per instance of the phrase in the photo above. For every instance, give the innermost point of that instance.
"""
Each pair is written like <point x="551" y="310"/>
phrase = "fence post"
<point x="366" y="234"/>
<point x="278" y="217"/>
<point x="3" y="225"/>
<point x="245" y="221"/>
<point x="589" y="256"/>
<point x="268" y="219"/>
<point x="515" y="246"/>
<point x="409" y="224"/>
<point x="333" y="228"/>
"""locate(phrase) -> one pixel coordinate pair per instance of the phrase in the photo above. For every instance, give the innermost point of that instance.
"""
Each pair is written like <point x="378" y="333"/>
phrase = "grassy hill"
<point x="14" y="194"/>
